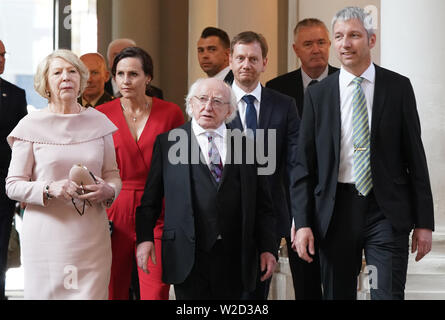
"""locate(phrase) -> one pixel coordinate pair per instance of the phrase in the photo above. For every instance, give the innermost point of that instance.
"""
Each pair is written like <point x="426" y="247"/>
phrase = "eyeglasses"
<point x="216" y="102"/>
<point x="82" y="191"/>
<point x="4" y="54"/>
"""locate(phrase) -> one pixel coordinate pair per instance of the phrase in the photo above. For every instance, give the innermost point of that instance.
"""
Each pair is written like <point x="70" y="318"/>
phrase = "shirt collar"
<point x="346" y="77"/>
<point x="198" y="130"/>
<point x="222" y="74"/>
<point x="306" y="79"/>
<point x="240" y="93"/>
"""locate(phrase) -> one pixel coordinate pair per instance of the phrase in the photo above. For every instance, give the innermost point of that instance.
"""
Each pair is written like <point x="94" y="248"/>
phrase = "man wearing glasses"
<point x="12" y="109"/>
<point x="219" y="222"/>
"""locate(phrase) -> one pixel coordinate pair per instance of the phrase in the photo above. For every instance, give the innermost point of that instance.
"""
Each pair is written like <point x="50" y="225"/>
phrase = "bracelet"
<point x="48" y="196"/>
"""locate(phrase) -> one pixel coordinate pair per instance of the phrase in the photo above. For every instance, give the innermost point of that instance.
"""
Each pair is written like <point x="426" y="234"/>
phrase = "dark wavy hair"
<point x="135" y="52"/>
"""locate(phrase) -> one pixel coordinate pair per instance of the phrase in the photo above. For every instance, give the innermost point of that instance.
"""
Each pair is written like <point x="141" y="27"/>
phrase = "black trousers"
<point x="359" y="225"/>
<point x="305" y="277"/>
<point x="216" y="275"/>
<point x="6" y="215"/>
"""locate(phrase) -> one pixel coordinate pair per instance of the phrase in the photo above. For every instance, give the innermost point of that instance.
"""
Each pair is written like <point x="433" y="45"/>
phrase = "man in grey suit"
<point x="12" y="109"/>
<point x="361" y="180"/>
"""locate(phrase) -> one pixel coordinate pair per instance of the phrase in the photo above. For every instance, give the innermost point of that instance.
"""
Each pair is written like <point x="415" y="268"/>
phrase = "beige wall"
<point x="159" y="27"/>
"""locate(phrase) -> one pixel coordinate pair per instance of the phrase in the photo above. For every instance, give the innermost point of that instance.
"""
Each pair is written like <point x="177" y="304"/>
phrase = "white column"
<point x="412" y="44"/>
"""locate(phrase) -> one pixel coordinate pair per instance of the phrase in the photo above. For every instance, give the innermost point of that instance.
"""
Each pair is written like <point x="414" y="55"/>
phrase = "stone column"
<point x="412" y="45"/>
<point x="140" y="21"/>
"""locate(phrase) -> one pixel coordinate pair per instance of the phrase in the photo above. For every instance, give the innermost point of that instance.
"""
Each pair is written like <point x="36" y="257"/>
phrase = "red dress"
<point x="134" y="160"/>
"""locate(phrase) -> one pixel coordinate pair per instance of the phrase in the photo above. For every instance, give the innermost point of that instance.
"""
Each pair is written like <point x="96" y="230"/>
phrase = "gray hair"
<point x="230" y="93"/>
<point x="41" y="76"/>
<point x="349" y="13"/>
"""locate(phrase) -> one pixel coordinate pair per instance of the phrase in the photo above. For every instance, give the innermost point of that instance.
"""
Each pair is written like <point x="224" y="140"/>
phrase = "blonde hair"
<point x="41" y="76"/>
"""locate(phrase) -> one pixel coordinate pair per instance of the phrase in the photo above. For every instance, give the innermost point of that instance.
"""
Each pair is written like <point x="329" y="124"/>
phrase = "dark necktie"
<point x="215" y="162"/>
<point x="312" y="82"/>
<point x="251" y="117"/>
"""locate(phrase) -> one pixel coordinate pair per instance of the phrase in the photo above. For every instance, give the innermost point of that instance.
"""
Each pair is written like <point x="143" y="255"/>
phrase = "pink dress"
<point x="65" y="255"/>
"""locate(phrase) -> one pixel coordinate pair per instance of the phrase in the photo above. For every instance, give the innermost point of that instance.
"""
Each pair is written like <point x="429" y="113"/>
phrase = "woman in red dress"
<point x="140" y="119"/>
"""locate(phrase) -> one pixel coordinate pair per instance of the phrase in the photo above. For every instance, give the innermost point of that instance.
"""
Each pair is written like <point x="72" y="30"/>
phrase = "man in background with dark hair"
<point x="213" y="54"/>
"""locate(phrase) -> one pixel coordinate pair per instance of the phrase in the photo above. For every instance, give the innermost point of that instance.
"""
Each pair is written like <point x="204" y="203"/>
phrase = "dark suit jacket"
<point x="229" y="78"/>
<point x="291" y="84"/>
<point x="172" y="182"/>
<point x="106" y="97"/>
<point x="278" y="111"/>
<point x="152" y="91"/>
<point x="398" y="165"/>
<point x="12" y="109"/>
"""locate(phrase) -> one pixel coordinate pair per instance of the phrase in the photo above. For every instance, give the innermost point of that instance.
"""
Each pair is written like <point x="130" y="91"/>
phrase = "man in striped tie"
<point x="362" y="180"/>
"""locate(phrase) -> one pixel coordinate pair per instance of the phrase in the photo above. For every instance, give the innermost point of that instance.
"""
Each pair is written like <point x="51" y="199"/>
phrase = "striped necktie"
<point x="215" y="163"/>
<point x="362" y="164"/>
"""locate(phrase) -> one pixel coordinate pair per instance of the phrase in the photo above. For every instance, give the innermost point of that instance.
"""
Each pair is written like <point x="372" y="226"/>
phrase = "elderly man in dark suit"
<point x="12" y="109"/>
<point x="275" y="113"/>
<point x="362" y="180"/>
<point x="219" y="221"/>
<point x="311" y="45"/>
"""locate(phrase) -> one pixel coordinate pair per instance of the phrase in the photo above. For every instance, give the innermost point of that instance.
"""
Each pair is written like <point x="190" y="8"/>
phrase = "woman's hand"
<point x="63" y="189"/>
<point x="99" y="192"/>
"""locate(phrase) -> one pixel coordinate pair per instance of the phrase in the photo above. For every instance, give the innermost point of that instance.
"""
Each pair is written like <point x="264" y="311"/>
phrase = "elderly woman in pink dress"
<point x="66" y="246"/>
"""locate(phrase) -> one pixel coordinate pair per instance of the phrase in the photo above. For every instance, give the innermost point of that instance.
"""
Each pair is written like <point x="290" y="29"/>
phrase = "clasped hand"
<point x="68" y="189"/>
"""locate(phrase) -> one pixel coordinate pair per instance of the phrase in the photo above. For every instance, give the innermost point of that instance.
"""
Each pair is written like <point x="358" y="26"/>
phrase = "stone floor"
<point x="425" y="280"/>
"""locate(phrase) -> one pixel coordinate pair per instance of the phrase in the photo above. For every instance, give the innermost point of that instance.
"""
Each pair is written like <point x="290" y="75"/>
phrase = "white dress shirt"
<point x="346" y="169"/>
<point x="222" y="74"/>
<point x="242" y="106"/>
<point x="306" y="79"/>
<point x="219" y="139"/>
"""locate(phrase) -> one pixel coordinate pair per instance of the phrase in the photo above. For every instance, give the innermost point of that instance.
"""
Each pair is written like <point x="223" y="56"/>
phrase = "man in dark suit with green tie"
<point x="361" y="179"/>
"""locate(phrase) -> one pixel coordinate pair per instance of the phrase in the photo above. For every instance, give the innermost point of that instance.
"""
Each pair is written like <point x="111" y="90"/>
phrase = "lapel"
<point x="299" y="92"/>
<point x="336" y="124"/>
<point x="236" y="122"/>
<point x="265" y="109"/>
<point x="379" y="99"/>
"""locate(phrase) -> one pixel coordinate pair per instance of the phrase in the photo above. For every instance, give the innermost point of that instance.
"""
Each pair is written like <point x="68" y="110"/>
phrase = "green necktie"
<point x="362" y="163"/>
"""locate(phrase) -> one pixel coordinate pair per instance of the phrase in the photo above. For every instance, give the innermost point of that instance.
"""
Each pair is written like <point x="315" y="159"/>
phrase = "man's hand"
<point x="421" y="242"/>
<point x="144" y="250"/>
<point x="303" y="240"/>
<point x="268" y="263"/>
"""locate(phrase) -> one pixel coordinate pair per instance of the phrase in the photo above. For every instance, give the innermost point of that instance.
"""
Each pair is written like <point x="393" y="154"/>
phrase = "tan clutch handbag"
<point x="82" y="176"/>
